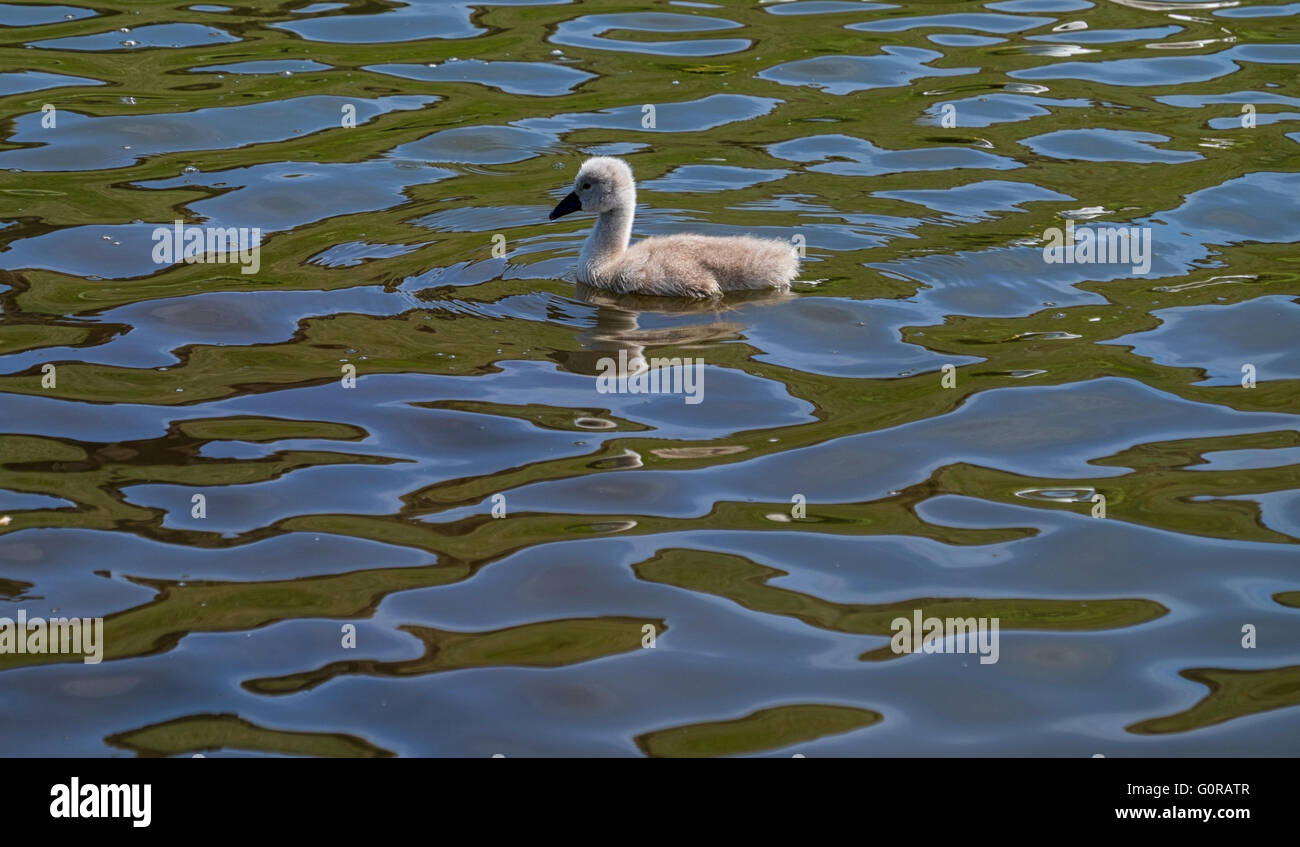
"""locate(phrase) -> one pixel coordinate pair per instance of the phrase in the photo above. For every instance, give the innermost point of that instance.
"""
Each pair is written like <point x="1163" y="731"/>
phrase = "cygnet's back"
<point x="672" y="265"/>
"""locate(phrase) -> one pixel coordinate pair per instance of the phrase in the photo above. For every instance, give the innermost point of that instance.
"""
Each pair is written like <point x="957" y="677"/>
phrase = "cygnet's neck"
<point x="613" y="230"/>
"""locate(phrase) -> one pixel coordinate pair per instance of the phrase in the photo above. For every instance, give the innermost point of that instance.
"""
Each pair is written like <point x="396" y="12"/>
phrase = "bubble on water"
<point x="453" y="59"/>
<point x="432" y="65"/>
<point x="129" y="43"/>
<point x="604" y="526"/>
<point x="594" y="423"/>
<point x="1058" y="495"/>
<point x="126" y="146"/>
<point x="124" y="29"/>
<point x="106" y="238"/>
<point x="1052" y="335"/>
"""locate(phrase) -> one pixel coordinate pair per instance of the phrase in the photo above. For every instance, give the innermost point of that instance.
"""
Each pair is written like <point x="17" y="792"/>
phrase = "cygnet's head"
<point x="603" y="183"/>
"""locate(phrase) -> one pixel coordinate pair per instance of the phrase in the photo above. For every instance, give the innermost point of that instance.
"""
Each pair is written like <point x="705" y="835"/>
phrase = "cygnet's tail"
<point x="766" y="263"/>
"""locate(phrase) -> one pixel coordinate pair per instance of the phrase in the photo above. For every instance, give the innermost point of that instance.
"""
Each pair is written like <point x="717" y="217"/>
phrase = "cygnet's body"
<point x="669" y="265"/>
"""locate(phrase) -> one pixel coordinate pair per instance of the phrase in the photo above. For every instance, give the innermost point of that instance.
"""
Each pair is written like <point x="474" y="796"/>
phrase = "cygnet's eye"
<point x="586" y="185"/>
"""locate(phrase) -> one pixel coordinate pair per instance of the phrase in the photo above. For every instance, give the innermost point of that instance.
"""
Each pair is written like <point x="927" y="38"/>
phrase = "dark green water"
<point x="1110" y="467"/>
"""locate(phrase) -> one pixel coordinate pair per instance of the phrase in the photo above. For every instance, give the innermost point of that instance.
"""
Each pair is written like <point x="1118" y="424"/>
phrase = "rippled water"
<point x="1104" y="457"/>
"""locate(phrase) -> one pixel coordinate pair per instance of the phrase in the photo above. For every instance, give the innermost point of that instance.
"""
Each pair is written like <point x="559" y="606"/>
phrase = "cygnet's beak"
<point x="569" y="204"/>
